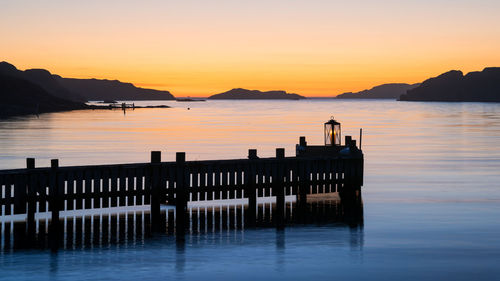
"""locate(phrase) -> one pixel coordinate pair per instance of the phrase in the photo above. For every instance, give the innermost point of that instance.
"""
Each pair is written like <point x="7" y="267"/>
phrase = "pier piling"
<point x="181" y="195"/>
<point x="155" y="187"/>
<point x="30" y="191"/>
<point x="278" y="187"/>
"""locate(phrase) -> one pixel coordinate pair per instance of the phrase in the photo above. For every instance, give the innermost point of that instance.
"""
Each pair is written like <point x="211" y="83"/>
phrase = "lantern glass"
<point x="336" y="134"/>
<point x="328" y="134"/>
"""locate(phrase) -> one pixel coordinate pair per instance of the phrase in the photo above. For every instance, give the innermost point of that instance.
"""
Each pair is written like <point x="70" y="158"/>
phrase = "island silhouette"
<point x="239" y="93"/>
<point x="384" y="91"/>
<point x="454" y="86"/>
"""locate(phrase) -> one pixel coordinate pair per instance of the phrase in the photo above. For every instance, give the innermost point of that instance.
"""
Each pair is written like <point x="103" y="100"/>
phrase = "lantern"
<point x="332" y="133"/>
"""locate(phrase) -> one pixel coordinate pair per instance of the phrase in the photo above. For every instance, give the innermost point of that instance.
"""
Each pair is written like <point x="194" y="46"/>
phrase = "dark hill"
<point x="22" y="97"/>
<point x="96" y="89"/>
<point x="384" y="91"/>
<point x="42" y="78"/>
<point x="82" y="90"/>
<point x="239" y="93"/>
<point x="476" y="86"/>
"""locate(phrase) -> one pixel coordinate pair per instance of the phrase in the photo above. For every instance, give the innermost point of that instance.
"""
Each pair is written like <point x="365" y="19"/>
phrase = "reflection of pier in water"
<point x="118" y="226"/>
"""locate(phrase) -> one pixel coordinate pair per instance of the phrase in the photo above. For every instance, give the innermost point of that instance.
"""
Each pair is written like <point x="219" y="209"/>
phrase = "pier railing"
<point x="54" y="189"/>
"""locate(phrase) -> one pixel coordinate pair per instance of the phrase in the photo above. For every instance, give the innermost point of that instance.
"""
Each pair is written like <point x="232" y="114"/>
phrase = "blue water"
<point x="431" y="196"/>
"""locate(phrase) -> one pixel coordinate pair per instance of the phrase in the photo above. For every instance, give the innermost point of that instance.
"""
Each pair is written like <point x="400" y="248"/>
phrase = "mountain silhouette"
<point x="102" y="89"/>
<point x="21" y="97"/>
<point x="83" y="90"/>
<point x="42" y="78"/>
<point x="478" y="86"/>
<point x="239" y="93"/>
<point x="384" y="91"/>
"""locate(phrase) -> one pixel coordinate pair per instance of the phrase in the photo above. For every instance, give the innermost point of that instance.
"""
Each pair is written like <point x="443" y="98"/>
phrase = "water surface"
<point x="431" y="194"/>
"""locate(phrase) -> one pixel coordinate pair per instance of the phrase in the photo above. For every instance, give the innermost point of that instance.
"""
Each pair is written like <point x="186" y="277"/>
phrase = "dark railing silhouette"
<point x="55" y="189"/>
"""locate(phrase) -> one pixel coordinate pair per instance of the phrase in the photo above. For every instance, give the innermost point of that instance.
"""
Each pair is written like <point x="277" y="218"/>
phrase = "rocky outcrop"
<point x="483" y="86"/>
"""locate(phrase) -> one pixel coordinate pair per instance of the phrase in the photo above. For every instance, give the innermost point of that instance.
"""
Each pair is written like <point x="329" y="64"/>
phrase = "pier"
<point x="158" y="184"/>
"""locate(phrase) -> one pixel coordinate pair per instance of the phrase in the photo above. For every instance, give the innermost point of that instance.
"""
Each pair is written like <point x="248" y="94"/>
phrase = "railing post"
<point x="155" y="188"/>
<point x="252" y="154"/>
<point x="279" y="188"/>
<point x="181" y="193"/>
<point x="31" y="196"/>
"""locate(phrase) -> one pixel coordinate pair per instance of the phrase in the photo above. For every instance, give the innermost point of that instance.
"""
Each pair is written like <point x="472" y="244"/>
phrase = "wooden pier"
<point x="54" y="189"/>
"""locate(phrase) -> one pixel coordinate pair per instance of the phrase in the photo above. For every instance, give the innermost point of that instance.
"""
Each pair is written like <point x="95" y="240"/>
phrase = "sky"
<point x="199" y="48"/>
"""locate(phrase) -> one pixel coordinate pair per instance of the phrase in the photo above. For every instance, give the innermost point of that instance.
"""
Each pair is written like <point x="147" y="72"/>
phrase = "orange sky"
<point x="198" y="48"/>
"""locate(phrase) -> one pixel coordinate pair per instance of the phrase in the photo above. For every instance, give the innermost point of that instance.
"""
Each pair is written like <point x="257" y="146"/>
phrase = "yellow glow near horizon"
<point x="193" y="48"/>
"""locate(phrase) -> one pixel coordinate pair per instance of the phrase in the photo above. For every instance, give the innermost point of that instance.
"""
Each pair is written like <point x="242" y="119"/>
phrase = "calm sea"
<point x="431" y="196"/>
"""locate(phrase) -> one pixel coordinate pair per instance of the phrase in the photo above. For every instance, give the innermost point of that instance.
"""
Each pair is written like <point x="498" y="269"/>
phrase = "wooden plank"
<point x="42" y="192"/>
<point x="218" y="176"/>
<point x="2" y="191"/>
<point x="314" y="175"/>
<point x="155" y="189"/>
<point x="69" y="190"/>
<point x="105" y="187"/>
<point x="140" y="191"/>
<point x="97" y="187"/>
<point x="62" y="177"/>
<point x="9" y="181"/>
<point x="210" y="178"/>
<point x="79" y="177"/>
<point x="328" y="175"/>
<point x="224" y="183"/>
<point x="87" y="174"/>
<point x="20" y="193"/>
<point x="231" y="182"/>
<point x="275" y="179"/>
<point x="295" y="179"/>
<point x="194" y="184"/>
<point x="308" y="176"/>
<point x="147" y="188"/>
<point x="31" y="189"/>
<point x="203" y="183"/>
<point x="163" y="184"/>
<point x="171" y="184"/>
<point x="122" y="188"/>
<point x="239" y="181"/>
<point x="260" y="179"/>
<point x="114" y="176"/>
<point x="321" y="175"/>
<point x="139" y="187"/>
<point x="288" y="177"/>
<point x="269" y="179"/>
<point x="130" y="186"/>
